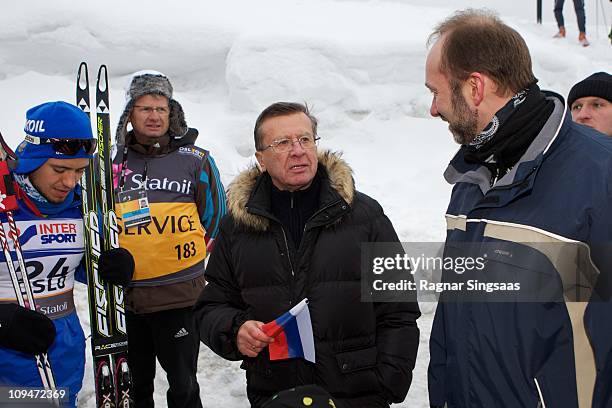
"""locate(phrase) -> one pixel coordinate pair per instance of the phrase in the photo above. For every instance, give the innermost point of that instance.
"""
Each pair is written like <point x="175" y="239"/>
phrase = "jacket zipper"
<point x="288" y="252"/>
<point x="290" y="266"/>
<point x="541" y="403"/>
<point x="287" y="243"/>
<point x="494" y="180"/>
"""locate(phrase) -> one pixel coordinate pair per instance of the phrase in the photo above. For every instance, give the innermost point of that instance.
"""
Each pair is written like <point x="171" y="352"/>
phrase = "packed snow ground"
<point x="359" y="64"/>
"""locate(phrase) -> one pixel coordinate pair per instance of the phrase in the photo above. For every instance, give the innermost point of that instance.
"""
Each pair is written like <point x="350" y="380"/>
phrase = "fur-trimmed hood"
<point x="240" y="191"/>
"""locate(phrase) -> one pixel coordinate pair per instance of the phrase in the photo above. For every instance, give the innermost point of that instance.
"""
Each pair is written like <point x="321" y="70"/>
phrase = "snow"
<point x="358" y="63"/>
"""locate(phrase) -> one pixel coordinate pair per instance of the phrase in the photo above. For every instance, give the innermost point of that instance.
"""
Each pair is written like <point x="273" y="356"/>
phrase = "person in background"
<point x="590" y="101"/>
<point x="170" y="200"/>
<point x="580" y="16"/>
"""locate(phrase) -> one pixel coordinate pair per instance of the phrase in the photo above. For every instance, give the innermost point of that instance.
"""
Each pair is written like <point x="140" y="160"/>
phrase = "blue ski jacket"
<point x="531" y="352"/>
<point x="53" y="248"/>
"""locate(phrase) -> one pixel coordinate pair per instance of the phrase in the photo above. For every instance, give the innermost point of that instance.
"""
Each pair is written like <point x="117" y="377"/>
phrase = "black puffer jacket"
<point x="365" y="351"/>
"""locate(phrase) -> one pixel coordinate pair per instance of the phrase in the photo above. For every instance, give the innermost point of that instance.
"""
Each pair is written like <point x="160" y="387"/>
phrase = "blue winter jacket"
<point x="540" y="352"/>
<point x="53" y="248"/>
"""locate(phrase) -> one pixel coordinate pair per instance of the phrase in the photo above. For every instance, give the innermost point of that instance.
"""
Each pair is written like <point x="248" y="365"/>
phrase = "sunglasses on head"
<point x="69" y="147"/>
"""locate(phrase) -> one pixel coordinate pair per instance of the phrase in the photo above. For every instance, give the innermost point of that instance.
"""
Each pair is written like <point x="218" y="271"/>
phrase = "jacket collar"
<point x="165" y="145"/>
<point x="249" y="194"/>
<point x="460" y="172"/>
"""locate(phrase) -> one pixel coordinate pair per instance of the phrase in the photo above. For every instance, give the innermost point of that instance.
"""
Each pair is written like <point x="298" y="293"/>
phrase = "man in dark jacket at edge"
<point x="527" y="180"/>
<point x="294" y="229"/>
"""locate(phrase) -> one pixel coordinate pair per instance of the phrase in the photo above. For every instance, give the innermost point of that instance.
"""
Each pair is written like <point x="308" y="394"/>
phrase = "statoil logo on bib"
<point x="54" y="309"/>
<point x="179" y="186"/>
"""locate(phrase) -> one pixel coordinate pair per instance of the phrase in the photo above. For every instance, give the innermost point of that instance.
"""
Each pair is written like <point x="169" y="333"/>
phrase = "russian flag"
<point x="292" y="334"/>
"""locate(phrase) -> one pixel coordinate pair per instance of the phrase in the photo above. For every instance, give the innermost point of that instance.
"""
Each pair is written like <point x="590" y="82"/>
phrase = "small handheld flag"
<point x="292" y="334"/>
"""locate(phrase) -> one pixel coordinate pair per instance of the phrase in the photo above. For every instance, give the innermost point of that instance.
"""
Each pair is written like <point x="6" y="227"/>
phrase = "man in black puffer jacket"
<point x="294" y="229"/>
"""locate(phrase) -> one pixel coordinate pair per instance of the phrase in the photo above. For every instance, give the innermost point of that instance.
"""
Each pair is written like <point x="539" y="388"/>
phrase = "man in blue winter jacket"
<point x="532" y="193"/>
<point x="56" y="151"/>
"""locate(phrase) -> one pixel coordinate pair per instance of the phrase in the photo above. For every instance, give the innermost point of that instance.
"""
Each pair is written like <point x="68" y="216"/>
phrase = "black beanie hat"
<point x="598" y="84"/>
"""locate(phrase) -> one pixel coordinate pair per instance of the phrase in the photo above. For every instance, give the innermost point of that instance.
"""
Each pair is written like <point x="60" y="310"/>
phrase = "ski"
<point x="106" y="305"/>
<point x="119" y="357"/>
<point x="21" y="281"/>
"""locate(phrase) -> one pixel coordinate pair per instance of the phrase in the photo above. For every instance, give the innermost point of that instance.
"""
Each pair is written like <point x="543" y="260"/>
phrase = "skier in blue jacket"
<point x="56" y="151"/>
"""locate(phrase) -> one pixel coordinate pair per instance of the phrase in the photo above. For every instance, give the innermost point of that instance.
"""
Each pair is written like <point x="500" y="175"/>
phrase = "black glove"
<point x="116" y="266"/>
<point x="25" y="330"/>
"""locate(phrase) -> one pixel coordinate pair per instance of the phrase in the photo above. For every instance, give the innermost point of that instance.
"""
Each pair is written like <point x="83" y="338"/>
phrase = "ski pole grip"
<point x="8" y="199"/>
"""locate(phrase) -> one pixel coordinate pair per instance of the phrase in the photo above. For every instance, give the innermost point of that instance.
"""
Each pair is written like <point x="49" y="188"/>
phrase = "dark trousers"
<point x="578" y="6"/>
<point x="172" y="338"/>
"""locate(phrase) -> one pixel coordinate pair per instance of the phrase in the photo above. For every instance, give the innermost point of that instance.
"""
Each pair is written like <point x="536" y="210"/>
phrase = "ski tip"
<point x="83" y="76"/>
<point x="102" y="78"/>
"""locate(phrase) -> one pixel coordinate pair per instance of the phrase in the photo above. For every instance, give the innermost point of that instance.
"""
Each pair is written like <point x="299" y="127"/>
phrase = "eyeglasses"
<point x="286" y="144"/>
<point x="147" y="110"/>
<point x="69" y="147"/>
